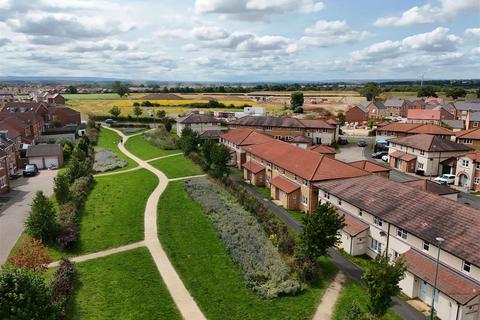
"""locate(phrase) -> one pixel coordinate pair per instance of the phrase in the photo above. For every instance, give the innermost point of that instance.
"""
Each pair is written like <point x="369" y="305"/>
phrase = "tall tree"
<point x="161" y="114"/>
<point x="72" y="90"/>
<point x="478" y="93"/>
<point x="382" y="278"/>
<point x="220" y="157"/>
<point x="120" y="88"/>
<point x="41" y="224"/>
<point x="189" y="141"/>
<point x="341" y="118"/>
<point x="137" y="111"/>
<point x="320" y="231"/>
<point x="115" y="111"/>
<point x="61" y="188"/>
<point x="371" y="91"/>
<point x="207" y="151"/>
<point x="296" y="99"/>
<point x="456" y="93"/>
<point x="427" y="91"/>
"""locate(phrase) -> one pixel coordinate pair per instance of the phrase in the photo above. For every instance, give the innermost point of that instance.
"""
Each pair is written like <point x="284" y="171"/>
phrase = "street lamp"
<point x="440" y="240"/>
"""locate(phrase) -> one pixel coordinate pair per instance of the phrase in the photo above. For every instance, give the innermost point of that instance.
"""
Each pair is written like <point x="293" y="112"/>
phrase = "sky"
<point x="241" y="40"/>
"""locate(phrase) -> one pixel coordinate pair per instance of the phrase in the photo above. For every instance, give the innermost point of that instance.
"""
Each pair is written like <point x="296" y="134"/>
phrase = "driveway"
<point x="14" y="212"/>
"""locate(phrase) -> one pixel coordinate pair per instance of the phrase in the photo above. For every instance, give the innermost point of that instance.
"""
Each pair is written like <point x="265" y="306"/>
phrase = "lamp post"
<point x="439" y="241"/>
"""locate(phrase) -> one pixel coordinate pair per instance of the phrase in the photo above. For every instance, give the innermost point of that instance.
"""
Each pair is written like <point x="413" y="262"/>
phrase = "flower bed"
<point x="264" y="269"/>
<point x="106" y="160"/>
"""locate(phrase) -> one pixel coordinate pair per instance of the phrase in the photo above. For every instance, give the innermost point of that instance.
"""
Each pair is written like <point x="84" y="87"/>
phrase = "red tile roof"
<point x="284" y="184"/>
<point x="475" y="156"/>
<point x="253" y="167"/>
<point x="423" y="114"/>
<point x="285" y="122"/>
<point x="399" y="127"/>
<point x="416" y="128"/>
<point x="403" y="156"/>
<point x="468" y="134"/>
<point x="322" y="149"/>
<point x="369" y="166"/>
<point x="198" y="118"/>
<point x="431" y="143"/>
<point x="245" y="137"/>
<point x="449" y="282"/>
<point x="307" y="164"/>
<point x="353" y="226"/>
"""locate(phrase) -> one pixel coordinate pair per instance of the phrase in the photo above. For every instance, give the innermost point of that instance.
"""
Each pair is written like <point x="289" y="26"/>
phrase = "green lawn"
<point x="177" y="166"/>
<point x="355" y="292"/>
<point x="264" y="191"/>
<point x="209" y="273"/>
<point x="109" y="139"/>
<point x="144" y="150"/>
<point x="361" y="261"/>
<point x="123" y="286"/>
<point x="297" y="215"/>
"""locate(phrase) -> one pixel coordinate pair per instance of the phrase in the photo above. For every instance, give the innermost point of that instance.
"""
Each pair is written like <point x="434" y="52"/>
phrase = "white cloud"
<point x="190" y="47"/>
<point x="209" y="33"/>
<point x="445" y="11"/>
<point x="473" y="33"/>
<point x="436" y="40"/>
<point x="330" y="33"/>
<point x="476" y="51"/>
<point x="104" y="45"/>
<point x="379" y="51"/>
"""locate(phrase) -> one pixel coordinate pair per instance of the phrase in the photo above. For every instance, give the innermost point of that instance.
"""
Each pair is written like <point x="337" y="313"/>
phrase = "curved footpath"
<point x="180" y="295"/>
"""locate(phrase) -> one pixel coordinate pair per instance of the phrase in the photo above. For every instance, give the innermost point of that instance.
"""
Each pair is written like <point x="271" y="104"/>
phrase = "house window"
<point x="476" y="180"/>
<point x="422" y="153"/>
<point x="3" y="181"/>
<point x="402" y="233"/>
<point x="465" y="163"/>
<point x="477" y="166"/>
<point x="339" y="202"/>
<point x="475" y="124"/>
<point x="376" y="246"/>
<point x="467" y="141"/>
<point x="395" y="255"/>
<point x="360" y="212"/>
<point x="305" y="182"/>
<point x="426" y="246"/>
<point x="377" y="221"/>
<point x="326" y="195"/>
<point x="304" y="200"/>
<point x="325" y="130"/>
<point x="466" y="266"/>
<point x="420" y="165"/>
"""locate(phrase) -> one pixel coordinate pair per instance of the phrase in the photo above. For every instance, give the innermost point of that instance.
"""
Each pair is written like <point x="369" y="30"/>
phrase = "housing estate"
<point x="464" y="107"/>
<point x="371" y="167"/>
<point x="429" y="116"/>
<point x="472" y="120"/>
<point x="468" y="171"/>
<point x="394" y="107"/>
<point x="285" y="128"/>
<point x="198" y="123"/>
<point x="425" y="154"/>
<point x="356" y="114"/>
<point x="398" y="130"/>
<point x="470" y="137"/>
<point x="386" y="216"/>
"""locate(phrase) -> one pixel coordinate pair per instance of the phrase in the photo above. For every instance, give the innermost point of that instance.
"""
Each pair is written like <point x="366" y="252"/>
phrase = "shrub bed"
<point x="265" y="272"/>
<point x="106" y="160"/>
<point x="161" y="139"/>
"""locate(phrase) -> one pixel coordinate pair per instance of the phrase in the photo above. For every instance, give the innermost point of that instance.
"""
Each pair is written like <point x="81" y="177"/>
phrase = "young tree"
<point x="31" y="254"/>
<point x="320" y="231"/>
<point x="220" y="156"/>
<point x="115" y="111"/>
<point x="382" y="278"/>
<point x="341" y="118"/>
<point x="456" y="93"/>
<point x="41" y="223"/>
<point x="24" y="295"/>
<point x="370" y="90"/>
<point x="61" y="188"/>
<point x="207" y="151"/>
<point x="427" y="91"/>
<point x="161" y="114"/>
<point x="189" y="141"/>
<point x="137" y="111"/>
<point x="296" y="99"/>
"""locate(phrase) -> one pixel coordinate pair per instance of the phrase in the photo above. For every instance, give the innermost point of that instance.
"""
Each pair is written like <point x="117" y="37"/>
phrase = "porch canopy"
<point x="403" y="156"/>
<point x="285" y="185"/>
<point x="253" y="167"/>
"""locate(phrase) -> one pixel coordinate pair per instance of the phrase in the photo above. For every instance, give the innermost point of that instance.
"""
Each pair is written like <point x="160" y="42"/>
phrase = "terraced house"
<point x="398" y="130"/>
<point x="386" y="216"/>
<point x="286" y="129"/>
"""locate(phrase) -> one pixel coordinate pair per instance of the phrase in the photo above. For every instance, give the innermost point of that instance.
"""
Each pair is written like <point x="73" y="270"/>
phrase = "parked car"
<point x="362" y="143"/>
<point x="445" y="179"/>
<point x="385" y="158"/>
<point x="109" y="121"/>
<point x="342" y="141"/>
<point x="30" y="170"/>
<point x="379" y="154"/>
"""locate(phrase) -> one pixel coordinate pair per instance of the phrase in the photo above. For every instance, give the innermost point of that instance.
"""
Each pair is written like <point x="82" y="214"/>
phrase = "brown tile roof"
<point x="268" y="121"/>
<point x="41" y="150"/>
<point x="245" y="137"/>
<point x="423" y="114"/>
<point x="353" y="226"/>
<point x="12" y="132"/>
<point x="322" y="149"/>
<point x="253" y="167"/>
<point x="302" y="139"/>
<point x="63" y="110"/>
<point x="431" y="143"/>
<point x="468" y="134"/>
<point x="430" y="187"/>
<point x="17" y="105"/>
<point x="284" y="184"/>
<point x="369" y="166"/>
<point x="416" y="128"/>
<point x="403" y="156"/>
<point x="449" y="282"/>
<point x="307" y="164"/>
<point x="198" y="118"/>
<point x="319" y="123"/>
<point x="399" y="127"/>
<point x="212" y="134"/>
<point x="475" y="156"/>
<point x="420" y="213"/>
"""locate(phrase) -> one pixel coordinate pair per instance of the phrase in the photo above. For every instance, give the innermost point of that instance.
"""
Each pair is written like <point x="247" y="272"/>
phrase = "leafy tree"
<point x="67" y="151"/>
<point x="120" y="88"/>
<point x="115" y="111"/>
<point x="341" y="118"/>
<point x="456" y="93"/>
<point x="24" y="295"/>
<point x="427" y="91"/>
<point x="478" y="93"/>
<point x="61" y="188"/>
<point x="168" y="123"/>
<point x="370" y="90"/>
<point x="189" y="141"/>
<point x="371" y="123"/>
<point x="207" y="150"/>
<point x="137" y="111"/>
<point x="161" y="114"/>
<point x="382" y="278"/>
<point x="296" y="99"/>
<point x="136" y="104"/>
<point x="298" y="110"/>
<point x="219" y="157"/>
<point x="320" y="231"/>
<point x="31" y="254"/>
<point x="72" y="90"/>
<point x="41" y="223"/>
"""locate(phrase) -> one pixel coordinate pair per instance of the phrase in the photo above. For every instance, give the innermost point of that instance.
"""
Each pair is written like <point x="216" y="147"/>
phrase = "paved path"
<point x="189" y="177"/>
<point x="14" y="213"/>
<point x="327" y="305"/>
<point x="180" y="295"/>
<point x="101" y="254"/>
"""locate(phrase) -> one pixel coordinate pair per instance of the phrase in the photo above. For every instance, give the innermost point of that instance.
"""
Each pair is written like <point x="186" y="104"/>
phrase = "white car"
<point x="445" y="179"/>
<point x="385" y="158"/>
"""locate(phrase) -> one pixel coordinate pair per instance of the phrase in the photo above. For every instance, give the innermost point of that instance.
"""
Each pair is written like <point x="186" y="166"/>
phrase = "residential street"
<point x="14" y="212"/>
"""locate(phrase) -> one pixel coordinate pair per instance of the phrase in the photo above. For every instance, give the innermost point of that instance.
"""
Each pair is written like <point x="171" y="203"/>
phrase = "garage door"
<point x="37" y="161"/>
<point x="51" y="161"/>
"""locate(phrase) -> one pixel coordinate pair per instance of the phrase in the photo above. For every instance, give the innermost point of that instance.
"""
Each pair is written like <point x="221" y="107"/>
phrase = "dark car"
<point x="379" y="155"/>
<point x="109" y="121"/>
<point x="361" y="143"/>
<point x="342" y="141"/>
<point x="30" y="170"/>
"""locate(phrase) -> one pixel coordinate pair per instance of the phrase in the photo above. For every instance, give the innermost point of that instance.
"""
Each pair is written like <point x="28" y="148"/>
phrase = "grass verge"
<point x="209" y="273"/>
<point x="177" y="167"/>
<point x="121" y="286"/>
<point x="144" y="150"/>
<point x="109" y="139"/>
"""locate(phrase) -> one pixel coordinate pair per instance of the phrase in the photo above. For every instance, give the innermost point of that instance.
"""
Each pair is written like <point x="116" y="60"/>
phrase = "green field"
<point x="177" y="167"/>
<point x="209" y="273"/>
<point x="109" y="139"/>
<point x="144" y="150"/>
<point x="123" y="286"/>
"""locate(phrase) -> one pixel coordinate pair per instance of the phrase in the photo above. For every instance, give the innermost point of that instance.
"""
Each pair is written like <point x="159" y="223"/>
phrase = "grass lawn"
<point x="361" y="261"/>
<point x="109" y="139"/>
<point x="125" y="285"/>
<point x="355" y="292"/>
<point x="177" y="166"/>
<point x="264" y="191"/>
<point x="145" y="150"/>
<point x="297" y="215"/>
<point x="209" y="273"/>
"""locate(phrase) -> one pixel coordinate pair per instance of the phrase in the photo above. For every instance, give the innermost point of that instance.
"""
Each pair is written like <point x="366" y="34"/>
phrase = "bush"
<point x="41" y="223"/>
<point x="61" y="188"/>
<point x="106" y="160"/>
<point x="67" y="214"/>
<point x="68" y="236"/>
<point x="161" y="138"/>
<point x="264" y="269"/>
<point x="63" y="285"/>
<point x="80" y="189"/>
<point x="307" y="269"/>
<point x="31" y="254"/>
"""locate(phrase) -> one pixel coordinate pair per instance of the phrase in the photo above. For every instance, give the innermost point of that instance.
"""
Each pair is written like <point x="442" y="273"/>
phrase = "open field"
<point x="144" y="150"/>
<point x="121" y="286"/>
<point x="109" y="139"/>
<point x="209" y="273"/>
<point x="177" y="167"/>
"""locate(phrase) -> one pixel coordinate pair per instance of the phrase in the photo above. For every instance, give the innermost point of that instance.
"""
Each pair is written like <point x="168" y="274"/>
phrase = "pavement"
<point x="14" y="213"/>
<point x="327" y="306"/>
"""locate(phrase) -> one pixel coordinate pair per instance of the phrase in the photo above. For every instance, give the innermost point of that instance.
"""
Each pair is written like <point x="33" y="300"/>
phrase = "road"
<point x="14" y="212"/>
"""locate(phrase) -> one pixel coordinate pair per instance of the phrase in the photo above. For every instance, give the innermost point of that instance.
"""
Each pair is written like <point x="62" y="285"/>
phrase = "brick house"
<point x="376" y="109"/>
<point x="398" y="130"/>
<point x="236" y="140"/>
<point x="426" y="116"/>
<point x="4" y="174"/>
<point x="198" y="123"/>
<point x="381" y="218"/>
<point x="9" y="143"/>
<point x="464" y="107"/>
<point x="468" y="171"/>
<point x="64" y="115"/>
<point x="394" y="107"/>
<point x="424" y="154"/>
<point x="55" y="99"/>
<point x="412" y="105"/>
<point x="286" y="128"/>
<point x="356" y="114"/>
<point x="472" y="120"/>
<point x="469" y="138"/>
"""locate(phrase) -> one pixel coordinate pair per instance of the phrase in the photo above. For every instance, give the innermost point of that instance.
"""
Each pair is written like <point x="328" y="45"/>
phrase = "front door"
<point x="425" y="292"/>
<point x="463" y="181"/>
<point x="446" y="169"/>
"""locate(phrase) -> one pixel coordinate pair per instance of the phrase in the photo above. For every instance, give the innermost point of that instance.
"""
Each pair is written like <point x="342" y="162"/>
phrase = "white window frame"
<point x="377" y="221"/>
<point x="304" y="200"/>
<point x="426" y="246"/>
<point x="339" y="201"/>
<point x="422" y="152"/>
<point x="360" y="212"/>
<point x="401" y="233"/>
<point x="467" y="141"/>
<point x="376" y="246"/>
<point x="466" y="265"/>
<point x="420" y="165"/>
<point x="477" y="166"/>
<point x="476" y="180"/>
<point x="465" y="163"/>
